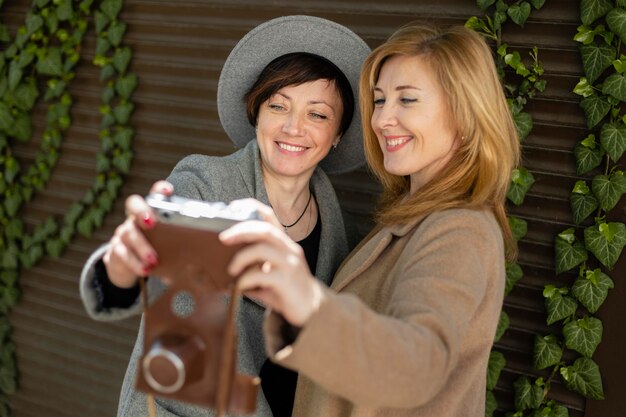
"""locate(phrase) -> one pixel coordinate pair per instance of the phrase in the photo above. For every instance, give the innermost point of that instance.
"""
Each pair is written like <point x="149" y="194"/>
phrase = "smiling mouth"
<point x="291" y="148"/>
<point x="396" y="142"/>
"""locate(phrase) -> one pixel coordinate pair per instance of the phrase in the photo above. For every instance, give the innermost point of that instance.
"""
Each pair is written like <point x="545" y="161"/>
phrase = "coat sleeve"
<point x="404" y="356"/>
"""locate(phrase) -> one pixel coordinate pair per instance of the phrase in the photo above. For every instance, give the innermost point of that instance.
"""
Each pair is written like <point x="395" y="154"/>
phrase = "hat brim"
<point x="278" y="37"/>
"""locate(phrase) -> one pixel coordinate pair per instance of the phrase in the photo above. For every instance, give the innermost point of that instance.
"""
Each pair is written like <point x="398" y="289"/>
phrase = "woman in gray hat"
<point x="286" y="97"/>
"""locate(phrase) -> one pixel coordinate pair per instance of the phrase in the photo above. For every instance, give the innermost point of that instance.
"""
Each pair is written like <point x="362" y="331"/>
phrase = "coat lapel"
<point x="362" y="257"/>
<point x="369" y="250"/>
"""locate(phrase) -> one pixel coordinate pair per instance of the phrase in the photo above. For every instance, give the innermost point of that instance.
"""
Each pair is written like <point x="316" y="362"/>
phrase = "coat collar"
<point x="369" y="250"/>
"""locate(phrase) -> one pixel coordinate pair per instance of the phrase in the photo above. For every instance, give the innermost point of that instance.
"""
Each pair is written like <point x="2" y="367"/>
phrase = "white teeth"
<point x="396" y="142"/>
<point x="291" y="148"/>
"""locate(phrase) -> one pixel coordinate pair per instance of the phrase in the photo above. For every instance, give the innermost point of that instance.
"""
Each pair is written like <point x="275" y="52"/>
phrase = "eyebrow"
<point x="310" y="102"/>
<point x="400" y="88"/>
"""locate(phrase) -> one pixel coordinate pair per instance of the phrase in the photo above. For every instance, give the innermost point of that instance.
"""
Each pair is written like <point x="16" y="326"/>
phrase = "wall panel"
<point x="73" y="366"/>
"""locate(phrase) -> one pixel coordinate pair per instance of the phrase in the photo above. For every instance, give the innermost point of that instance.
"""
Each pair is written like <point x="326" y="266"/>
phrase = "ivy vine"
<point x="593" y="244"/>
<point x="521" y="83"/>
<point x="42" y="58"/>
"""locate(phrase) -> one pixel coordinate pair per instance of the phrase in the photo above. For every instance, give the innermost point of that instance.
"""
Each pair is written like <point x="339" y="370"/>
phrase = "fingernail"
<point x="152" y="260"/>
<point x="148" y="220"/>
<point x="165" y="189"/>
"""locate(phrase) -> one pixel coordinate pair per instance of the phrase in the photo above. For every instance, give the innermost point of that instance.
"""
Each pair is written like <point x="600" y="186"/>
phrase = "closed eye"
<point x="408" y="100"/>
<point x="277" y="107"/>
<point x="318" y="116"/>
<point x="379" y="102"/>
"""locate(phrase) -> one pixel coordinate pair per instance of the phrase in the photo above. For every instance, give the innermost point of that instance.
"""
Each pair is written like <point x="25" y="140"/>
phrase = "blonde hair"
<point x="479" y="172"/>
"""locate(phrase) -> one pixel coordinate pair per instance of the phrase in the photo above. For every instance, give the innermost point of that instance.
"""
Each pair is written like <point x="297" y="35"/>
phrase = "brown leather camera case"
<point x="190" y="355"/>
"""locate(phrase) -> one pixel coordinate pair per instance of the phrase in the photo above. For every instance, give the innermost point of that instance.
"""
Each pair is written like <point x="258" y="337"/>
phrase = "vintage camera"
<point x="189" y="334"/>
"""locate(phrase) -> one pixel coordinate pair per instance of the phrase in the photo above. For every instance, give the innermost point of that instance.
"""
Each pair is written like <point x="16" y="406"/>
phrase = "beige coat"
<point x="410" y="330"/>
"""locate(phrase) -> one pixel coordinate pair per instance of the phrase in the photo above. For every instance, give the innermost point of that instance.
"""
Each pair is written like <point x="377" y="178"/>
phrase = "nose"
<point x="294" y="125"/>
<point x="383" y="117"/>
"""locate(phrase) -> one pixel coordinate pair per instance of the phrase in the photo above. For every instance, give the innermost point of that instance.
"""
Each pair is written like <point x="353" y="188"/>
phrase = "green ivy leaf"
<point x="595" y="109"/>
<point x="524" y="124"/>
<point x="84" y="226"/>
<point x="613" y="139"/>
<point x="559" y="307"/>
<point x="116" y="33"/>
<point x="33" y="22"/>
<point x="54" y="247"/>
<point x="596" y="59"/>
<point x="126" y="85"/>
<point x="51" y="63"/>
<point x="537" y="4"/>
<point x="527" y="395"/>
<point x="583" y="335"/>
<point x="584" y="377"/>
<point x="22" y="129"/>
<point x="12" y="203"/>
<point x="64" y="10"/>
<point x="4" y="33"/>
<point x="14" y="229"/>
<point x="568" y="254"/>
<point x="26" y="95"/>
<point x="122" y="112"/>
<point x="7" y="380"/>
<point x="591" y="10"/>
<point x="514" y="273"/>
<point x="519" y="13"/>
<point x="519" y="227"/>
<point x="587" y="158"/>
<point x="609" y="189"/>
<point x="73" y="213"/>
<point x="121" y="59"/>
<point x="616" y="20"/>
<point x="584" y="88"/>
<point x="122" y="162"/>
<point x="615" y="86"/>
<point x="52" y="22"/>
<point x="484" y="4"/>
<point x="101" y="21"/>
<point x="6" y="118"/>
<point x="108" y="92"/>
<point x="547" y="351"/>
<point x="15" y="74"/>
<point x="582" y="206"/>
<point x="11" y="169"/>
<point x="31" y="256"/>
<point x="8" y="257"/>
<point x="496" y="364"/>
<point x="607" y="252"/>
<point x="111" y="8"/>
<point x="102" y="45"/>
<point x="503" y="325"/>
<point x="107" y="72"/>
<point x="592" y="289"/>
<point x="521" y="181"/>
<point x="491" y="404"/>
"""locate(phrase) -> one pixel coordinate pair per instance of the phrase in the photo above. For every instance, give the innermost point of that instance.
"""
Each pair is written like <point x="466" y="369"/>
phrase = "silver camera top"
<point x="200" y="214"/>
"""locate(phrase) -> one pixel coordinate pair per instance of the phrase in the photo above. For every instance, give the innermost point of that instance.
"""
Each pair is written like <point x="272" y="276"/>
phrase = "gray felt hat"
<point x="278" y="37"/>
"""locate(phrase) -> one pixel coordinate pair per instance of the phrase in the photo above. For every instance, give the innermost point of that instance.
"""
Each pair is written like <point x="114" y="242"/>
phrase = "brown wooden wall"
<point x="72" y="366"/>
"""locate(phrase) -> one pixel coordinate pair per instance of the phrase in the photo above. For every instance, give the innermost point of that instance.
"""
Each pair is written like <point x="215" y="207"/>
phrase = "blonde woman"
<point x="408" y="322"/>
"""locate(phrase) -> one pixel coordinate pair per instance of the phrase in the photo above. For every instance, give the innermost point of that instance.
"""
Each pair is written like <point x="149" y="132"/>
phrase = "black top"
<point x="278" y="383"/>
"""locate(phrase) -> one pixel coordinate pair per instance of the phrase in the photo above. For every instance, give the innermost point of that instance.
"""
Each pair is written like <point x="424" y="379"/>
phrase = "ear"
<point x="336" y="141"/>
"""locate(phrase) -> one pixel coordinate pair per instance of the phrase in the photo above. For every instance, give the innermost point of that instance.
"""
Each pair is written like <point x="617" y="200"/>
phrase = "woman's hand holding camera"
<point x="272" y="268"/>
<point x="129" y="255"/>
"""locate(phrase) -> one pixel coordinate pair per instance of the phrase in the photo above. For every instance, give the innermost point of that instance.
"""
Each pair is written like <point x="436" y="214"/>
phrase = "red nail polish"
<point x="148" y="220"/>
<point x="152" y="260"/>
<point x="146" y="270"/>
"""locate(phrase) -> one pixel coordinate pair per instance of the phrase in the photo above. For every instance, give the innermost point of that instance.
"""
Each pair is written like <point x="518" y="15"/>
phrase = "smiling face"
<point x="297" y="126"/>
<point x="411" y="120"/>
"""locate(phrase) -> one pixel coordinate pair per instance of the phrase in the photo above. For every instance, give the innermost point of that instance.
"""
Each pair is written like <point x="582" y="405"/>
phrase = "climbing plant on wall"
<point x="521" y="82"/>
<point x="587" y="251"/>
<point x="37" y="65"/>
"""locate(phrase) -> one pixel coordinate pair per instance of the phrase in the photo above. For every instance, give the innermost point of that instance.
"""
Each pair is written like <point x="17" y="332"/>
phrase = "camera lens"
<point x="171" y="362"/>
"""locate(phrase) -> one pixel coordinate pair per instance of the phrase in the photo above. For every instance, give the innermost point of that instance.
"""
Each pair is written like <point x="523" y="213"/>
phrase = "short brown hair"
<point x="295" y="69"/>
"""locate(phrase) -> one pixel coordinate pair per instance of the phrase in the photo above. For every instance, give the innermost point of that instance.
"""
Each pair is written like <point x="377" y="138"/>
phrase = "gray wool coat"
<point x="228" y="178"/>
